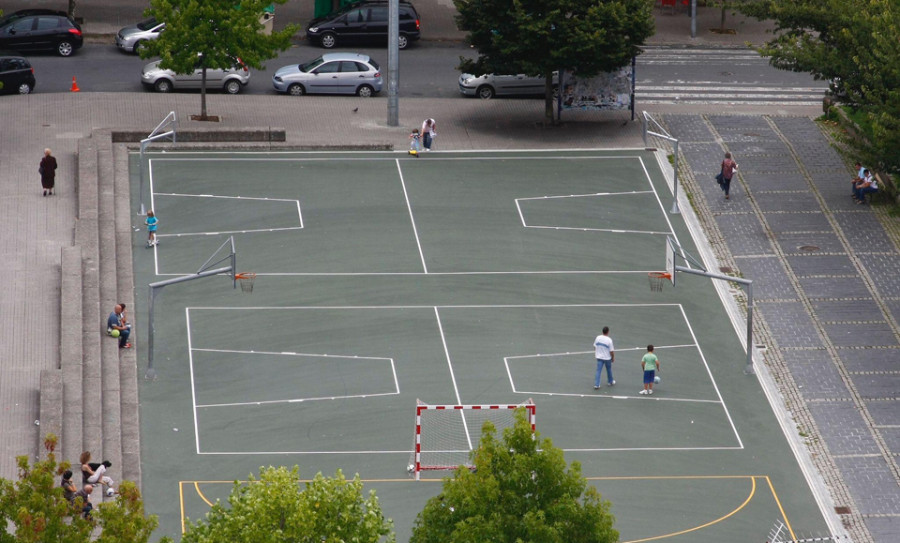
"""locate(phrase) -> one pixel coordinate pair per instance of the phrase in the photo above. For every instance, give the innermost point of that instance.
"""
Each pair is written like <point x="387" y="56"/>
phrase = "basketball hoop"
<point x="246" y="280"/>
<point x="656" y="280"/>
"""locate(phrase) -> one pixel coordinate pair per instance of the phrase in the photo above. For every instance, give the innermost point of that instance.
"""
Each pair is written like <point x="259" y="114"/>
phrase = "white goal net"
<point x="446" y="434"/>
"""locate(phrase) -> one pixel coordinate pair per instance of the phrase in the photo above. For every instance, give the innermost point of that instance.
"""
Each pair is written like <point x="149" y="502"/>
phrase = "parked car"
<point x="43" y="32"/>
<point x="231" y="80"/>
<point x="332" y="73"/>
<point x="131" y="38"/>
<point x="26" y="12"/>
<point x="489" y="85"/>
<point x="363" y="22"/>
<point x="16" y="74"/>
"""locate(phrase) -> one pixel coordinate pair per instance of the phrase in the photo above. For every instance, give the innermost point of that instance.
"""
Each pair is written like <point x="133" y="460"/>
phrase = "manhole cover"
<point x="809" y="248"/>
<point x="726" y="269"/>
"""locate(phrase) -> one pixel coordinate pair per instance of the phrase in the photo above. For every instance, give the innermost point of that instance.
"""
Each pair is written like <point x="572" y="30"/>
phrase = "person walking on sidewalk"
<point x="429" y="131"/>
<point x="729" y="167"/>
<point x="606" y="355"/>
<point x="47" y="169"/>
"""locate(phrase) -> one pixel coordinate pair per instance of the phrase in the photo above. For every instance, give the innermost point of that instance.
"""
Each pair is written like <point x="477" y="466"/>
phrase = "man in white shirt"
<point x="869" y="185"/>
<point x="606" y="355"/>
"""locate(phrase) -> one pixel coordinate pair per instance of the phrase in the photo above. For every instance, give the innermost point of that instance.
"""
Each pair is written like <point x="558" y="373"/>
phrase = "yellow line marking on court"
<point x="780" y="508"/>
<point x="202" y="496"/>
<point x="710" y="523"/>
<point x="181" y="499"/>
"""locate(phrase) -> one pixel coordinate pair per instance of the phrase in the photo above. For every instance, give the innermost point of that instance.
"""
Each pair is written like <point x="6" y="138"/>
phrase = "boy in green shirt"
<point x="650" y="364"/>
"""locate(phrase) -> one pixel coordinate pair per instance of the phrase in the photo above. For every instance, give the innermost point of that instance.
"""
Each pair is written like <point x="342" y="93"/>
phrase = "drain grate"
<point x="842" y="510"/>
<point x="726" y="269"/>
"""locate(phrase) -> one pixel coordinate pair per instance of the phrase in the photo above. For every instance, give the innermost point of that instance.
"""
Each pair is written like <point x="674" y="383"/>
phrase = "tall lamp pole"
<point x="393" y="75"/>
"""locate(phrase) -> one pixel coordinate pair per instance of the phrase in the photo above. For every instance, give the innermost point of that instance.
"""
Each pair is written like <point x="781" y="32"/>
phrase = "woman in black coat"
<point x="48" y="172"/>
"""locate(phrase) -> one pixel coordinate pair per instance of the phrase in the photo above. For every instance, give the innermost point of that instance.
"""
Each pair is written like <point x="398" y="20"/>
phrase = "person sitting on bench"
<point x="117" y="326"/>
<point x="869" y="185"/>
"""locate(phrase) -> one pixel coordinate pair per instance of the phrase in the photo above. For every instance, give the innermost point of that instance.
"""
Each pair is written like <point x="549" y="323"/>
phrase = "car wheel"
<point x="402" y="42"/>
<point x="365" y="91"/>
<point x="65" y="49"/>
<point x="138" y="45"/>
<point x="233" y="87"/>
<point x="485" y="92"/>
<point x="329" y="40"/>
<point x="24" y="88"/>
<point x="296" y="90"/>
<point x="163" y="85"/>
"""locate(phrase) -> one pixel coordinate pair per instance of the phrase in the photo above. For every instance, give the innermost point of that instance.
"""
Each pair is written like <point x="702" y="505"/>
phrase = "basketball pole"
<point x="748" y="369"/>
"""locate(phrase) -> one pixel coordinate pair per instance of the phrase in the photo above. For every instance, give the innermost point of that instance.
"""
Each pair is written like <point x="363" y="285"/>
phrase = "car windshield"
<point x="148" y="24"/>
<point x="311" y="65"/>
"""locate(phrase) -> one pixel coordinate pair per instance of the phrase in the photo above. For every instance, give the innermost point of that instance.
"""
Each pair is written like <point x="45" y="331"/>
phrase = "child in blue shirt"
<point x="151" y="222"/>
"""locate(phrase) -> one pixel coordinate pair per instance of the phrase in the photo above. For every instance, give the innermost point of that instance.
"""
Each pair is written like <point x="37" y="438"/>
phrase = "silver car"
<point x="489" y="85"/>
<point x="231" y="80"/>
<point x="332" y="73"/>
<point x="132" y="37"/>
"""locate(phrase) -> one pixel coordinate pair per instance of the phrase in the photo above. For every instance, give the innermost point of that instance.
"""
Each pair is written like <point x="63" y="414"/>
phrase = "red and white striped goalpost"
<point x="446" y="434"/>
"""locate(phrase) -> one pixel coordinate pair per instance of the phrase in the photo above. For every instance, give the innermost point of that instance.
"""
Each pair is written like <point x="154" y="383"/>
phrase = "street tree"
<point x="35" y="510"/>
<point x="213" y="34"/>
<point x="519" y="490"/>
<point x="275" y="508"/>
<point x="537" y="37"/>
<point x="853" y="45"/>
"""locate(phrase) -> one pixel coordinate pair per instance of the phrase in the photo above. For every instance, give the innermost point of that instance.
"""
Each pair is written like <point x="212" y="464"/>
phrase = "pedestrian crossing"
<point x="679" y="75"/>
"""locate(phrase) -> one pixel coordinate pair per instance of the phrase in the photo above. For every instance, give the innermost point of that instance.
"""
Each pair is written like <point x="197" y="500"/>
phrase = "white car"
<point x="132" y="37"/>
<point x="332" y="73"/>
<point x="489" y="85"/>
<point x="231" y="80"/>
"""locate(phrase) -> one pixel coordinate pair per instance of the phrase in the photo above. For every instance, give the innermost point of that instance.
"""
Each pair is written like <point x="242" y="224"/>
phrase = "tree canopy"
<point x="855" y="45"/>
<point x="536" y="37"/>
<point x="37" y="512"/>
<point x="520" y="490"/>
<point x="274" y="508"/>
<point x="213" y="34"/>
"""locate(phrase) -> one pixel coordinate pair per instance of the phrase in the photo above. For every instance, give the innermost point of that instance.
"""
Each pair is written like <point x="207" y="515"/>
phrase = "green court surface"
<point x="454" y="278"/>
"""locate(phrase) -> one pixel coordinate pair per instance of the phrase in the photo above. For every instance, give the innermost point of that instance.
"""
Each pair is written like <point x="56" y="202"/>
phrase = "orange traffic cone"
<point x="75" y="85"/>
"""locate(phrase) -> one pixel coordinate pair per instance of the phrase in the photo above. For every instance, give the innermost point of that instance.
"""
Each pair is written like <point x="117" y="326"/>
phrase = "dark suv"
<point x="41" y="32"/>
<point x="363" y="22"/>
<point x="16" y="74"/>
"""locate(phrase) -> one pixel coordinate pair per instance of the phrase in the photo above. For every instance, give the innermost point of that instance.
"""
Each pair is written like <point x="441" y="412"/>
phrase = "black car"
<point x="16" y="74"/>
<point x="26" y="12"/>
<point x="363" y="22"/>
<point x="42" y="32"/>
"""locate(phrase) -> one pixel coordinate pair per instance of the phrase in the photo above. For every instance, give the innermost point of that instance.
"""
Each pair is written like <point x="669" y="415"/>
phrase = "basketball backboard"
<point x="670" y="259"/>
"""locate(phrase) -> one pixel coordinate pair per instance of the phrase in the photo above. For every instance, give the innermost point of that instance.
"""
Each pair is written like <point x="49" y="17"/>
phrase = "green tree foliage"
<point x="855" y="45"/>
<point x="520" y="490"/>
<point x="35" y="510"/>
<point x="212" y="34"/>
<point x="536" y="37"/>
<point x="275" y="509"/>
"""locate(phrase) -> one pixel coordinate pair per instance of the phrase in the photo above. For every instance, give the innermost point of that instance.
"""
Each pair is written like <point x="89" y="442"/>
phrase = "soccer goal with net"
<point x="446" y="434"/>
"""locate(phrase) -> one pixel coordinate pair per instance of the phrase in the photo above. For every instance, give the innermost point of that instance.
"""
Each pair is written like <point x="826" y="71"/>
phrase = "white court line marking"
<point x="614" y="397"/>
<point x="463" y="306"/>
<point x="400" y="274"/>
<point x="411" y="218"/>
<point x="437" y="316"/>
<point x="308" y="355"/>
<point x="691" y="345"/>
<point x="229" y="232"/>
<point x="181" y="195"/>
<point x="406" y="452"/>
<point x="623" y="193"/>
<point x="613" y="230"/>
<point x="155" y="248"/>
<point x="432" y="157"/>
<point x="665" y="214"/>
<point x="711" y="378"/>
<point x="187" y="316"/>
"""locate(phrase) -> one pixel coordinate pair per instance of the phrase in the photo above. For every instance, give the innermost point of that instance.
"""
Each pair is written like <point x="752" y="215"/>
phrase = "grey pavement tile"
<point x="834" y="287"/>
<point x="872" y="485"/>
<point x="884" y="529"/>
<point x="863" y="232"/>
<point x="763" y="181"/>
<point x="858" y="310"/>
<point x="877" y="386"/>
<point x="740" y="123"/>
<point x="744" y="234"/>
<point x="843" y="428"/>
<point x="877" y="334"/>
<point x="770" y="280"/>
<point x="870" y="359"/>
<point x="703" y="158"/>
<point x="773" y="163"/>
<point x="813" y="264"/>
<point x="815" y="374"/>
<point x="884" y="271"/>
<point x="800" y="128"/>
<point x="798" y="222"/>
<point x="791" y="243"/>
<point x="716" y="202"/>
<point x="884" y="412"/>
<point x="790" y="325"/>
<point x="786" y="201"/>
<point x="891" y="437"/>
<point x="841" y="201"/>
<point x="687" y="128"/>
<point x="767" y="147"/>
<point x="894" y="307"/>
<point x="832" y="180"/>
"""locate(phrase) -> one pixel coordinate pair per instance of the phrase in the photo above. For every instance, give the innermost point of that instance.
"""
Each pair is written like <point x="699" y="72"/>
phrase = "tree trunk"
<point x="72" y="4"/>
<point x="722" y="25"/>
<point x="549" y="104"/>
<point x="203" y="94"/>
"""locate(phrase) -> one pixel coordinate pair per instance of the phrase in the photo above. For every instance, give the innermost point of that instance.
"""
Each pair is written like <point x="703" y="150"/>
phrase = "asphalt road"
<point x="428" y="69"/>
